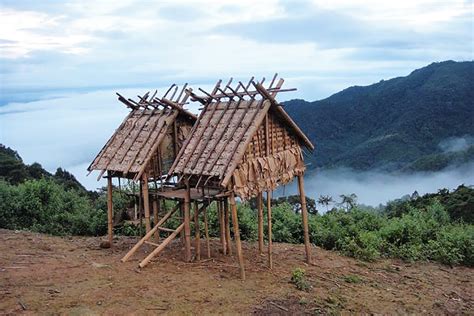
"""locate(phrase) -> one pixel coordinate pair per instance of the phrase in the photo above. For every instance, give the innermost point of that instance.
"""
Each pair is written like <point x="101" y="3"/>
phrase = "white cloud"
<point x="23" y="32"/>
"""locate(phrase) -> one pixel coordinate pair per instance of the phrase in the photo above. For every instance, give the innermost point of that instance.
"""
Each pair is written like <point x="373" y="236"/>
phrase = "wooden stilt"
<point x="135" y="208"/>
<point x="269" y="219"/>
<point x="146" y="202"/>
<point x="260" y="221"/>
<point x="227" y="227"/>
<point x="197" y="232"/>
<point x="238" y="244"/>
<point x="206" y="231"/>
<point x="187" y="223"/>
<point x="156" y="211"/>
<point x="181" y="214"/>
<point x="304" y="215"/>
<point x="110" y="209"/>
<point x="140" y="210"/>
<point x="220" y="210"/>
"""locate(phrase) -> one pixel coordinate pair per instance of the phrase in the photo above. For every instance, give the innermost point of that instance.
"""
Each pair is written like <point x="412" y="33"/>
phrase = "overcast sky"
<point x="62" y="61"/>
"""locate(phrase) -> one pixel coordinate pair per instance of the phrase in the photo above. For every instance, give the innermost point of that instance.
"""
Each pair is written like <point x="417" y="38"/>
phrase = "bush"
<point x="454" y="245"/>
<point x="45" y="206"/>
<point x="425" y="232"/>
<point x="364" y="246"/>
<point x="298" y="278"/>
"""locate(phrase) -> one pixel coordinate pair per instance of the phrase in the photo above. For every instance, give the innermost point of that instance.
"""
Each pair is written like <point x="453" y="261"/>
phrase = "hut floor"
<point x="72" y="275"/>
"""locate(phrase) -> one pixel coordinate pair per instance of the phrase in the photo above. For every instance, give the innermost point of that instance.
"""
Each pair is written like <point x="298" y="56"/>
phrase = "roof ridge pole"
<point x="249" y="83"/>
<point x="125" y="101"/>
<point x="181" y="93"/>
<point x="169" y="89"/>
<point x="273" y="80"/>
<point x="174" y="92"/>
<point x="252" y="96"/>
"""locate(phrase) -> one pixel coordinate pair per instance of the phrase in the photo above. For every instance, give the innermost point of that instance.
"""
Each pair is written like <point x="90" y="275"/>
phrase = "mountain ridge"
<point x="392" y="124"/>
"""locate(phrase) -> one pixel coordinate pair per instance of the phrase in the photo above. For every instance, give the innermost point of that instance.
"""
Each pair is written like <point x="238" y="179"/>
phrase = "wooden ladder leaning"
<point x="159" y="247"/>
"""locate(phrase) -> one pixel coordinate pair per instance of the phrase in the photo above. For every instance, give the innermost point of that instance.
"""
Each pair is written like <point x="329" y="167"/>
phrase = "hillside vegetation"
<point x="433" y="227"/>
<point x="397" y="124"/>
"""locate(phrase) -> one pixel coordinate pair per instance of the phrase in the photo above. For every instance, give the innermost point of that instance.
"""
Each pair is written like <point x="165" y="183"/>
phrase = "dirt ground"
<point x="41" y="274"/>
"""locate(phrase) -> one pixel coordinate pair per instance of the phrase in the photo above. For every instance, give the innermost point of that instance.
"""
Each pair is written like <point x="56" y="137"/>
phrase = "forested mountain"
<point x="13" y="170"/>
<point x="424" y="121"/>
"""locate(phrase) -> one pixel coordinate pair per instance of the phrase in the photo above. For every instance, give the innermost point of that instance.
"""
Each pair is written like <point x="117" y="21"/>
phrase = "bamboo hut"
<point x="144" y="146"/>
<point x="243" y="144"/>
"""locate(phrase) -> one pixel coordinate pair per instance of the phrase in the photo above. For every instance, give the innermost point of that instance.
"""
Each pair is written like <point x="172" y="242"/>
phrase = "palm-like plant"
<point x="325" y="200"/>
<point x="349" y="201"/>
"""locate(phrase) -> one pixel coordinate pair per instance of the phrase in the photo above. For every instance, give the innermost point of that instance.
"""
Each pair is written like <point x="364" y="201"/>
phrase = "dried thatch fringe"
<point x="262" y="174"/>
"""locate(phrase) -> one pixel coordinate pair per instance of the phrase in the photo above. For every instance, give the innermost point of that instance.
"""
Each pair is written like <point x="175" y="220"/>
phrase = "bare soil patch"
<point x="40" y="274"/>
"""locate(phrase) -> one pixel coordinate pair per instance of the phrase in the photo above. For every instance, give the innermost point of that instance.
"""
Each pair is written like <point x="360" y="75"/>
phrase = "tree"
<point x="325" y="200"/>
<point x="348" y="201"/>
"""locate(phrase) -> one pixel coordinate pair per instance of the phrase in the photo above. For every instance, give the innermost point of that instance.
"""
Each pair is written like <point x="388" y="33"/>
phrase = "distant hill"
<point x="406" y="123"/>
<point x="14" y="171"/>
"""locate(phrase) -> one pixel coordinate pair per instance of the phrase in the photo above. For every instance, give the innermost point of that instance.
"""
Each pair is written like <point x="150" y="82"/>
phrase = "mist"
<point x="455" y="144"/>
<point x="374" y="188"/>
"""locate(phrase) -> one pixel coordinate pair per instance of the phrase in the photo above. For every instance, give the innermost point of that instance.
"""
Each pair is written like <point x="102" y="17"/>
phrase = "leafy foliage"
<point x="47" y="207"/>
<point x="298" y="278"/>
<point x="459" y="203"/>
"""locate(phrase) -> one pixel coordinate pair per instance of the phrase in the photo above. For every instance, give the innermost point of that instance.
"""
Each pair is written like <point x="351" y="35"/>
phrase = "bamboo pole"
<point x="238" y="244"/>
<point x="187" y="224"/>
<point x="269" y="218"/>
<point x="197" y="232"/>
<point x="304" y="215"/>
<point x="146" y="202"/>
<point x="260" y="221"/>
<point x="140" y="209"/>
<point x="227" y="227"/>
<point x="156" y="211"/>
<point x="161" y="246"/>
<point x="147" y="236"/>
<point x="110" y="209"/>
<point x="181" y="214"/>
<point x="206" y="231"/>
<point x="220" y="210"/>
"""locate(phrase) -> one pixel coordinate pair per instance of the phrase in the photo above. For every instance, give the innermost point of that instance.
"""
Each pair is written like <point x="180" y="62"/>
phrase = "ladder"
<point x="159" y="247"/>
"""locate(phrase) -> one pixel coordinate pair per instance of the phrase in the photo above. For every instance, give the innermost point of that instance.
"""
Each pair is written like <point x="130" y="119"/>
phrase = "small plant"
<point x="298" y="278"/>
<point x="350" y="278"/>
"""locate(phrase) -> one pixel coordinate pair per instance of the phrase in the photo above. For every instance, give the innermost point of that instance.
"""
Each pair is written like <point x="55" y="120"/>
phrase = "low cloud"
<point x="456" y="144"/>
<point x="374" y="188"/>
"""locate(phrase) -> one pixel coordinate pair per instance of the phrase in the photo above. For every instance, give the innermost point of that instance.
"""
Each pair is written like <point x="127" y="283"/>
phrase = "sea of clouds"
<point x="68" y="130"/>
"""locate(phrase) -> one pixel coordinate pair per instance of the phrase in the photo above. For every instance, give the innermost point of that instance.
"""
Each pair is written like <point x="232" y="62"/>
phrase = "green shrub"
<point x="350" y="278"/>
<point x="454" y="245"/>
<point x="298" y="278"/>
<point x="364" y="246"/>
<point x="45" y="206"/>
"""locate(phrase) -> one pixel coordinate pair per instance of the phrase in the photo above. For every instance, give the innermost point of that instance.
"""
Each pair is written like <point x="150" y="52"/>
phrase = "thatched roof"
<point x="133" y="144"/>
<point x="223" y="131"/>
